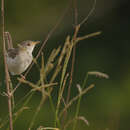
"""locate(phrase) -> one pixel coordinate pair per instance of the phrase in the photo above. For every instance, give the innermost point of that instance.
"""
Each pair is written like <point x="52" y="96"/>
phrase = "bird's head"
<point x="28" y="45"/>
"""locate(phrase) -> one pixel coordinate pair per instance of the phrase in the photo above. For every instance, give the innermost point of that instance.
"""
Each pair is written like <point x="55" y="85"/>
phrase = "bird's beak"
<point x="35" y="42"/>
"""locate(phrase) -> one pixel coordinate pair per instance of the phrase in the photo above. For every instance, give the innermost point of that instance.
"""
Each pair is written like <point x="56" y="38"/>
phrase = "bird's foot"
<point x="22" y="76"/>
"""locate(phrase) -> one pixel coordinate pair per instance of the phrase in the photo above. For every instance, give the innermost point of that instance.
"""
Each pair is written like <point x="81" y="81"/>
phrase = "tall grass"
<point x="55" y="66"/>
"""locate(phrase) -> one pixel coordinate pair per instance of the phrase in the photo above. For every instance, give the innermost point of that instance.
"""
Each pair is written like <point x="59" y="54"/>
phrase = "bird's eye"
<point x="28" y="44"/>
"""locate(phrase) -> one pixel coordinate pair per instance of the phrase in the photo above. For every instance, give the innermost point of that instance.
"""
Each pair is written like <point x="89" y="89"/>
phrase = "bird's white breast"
<point x="20" y="63"/>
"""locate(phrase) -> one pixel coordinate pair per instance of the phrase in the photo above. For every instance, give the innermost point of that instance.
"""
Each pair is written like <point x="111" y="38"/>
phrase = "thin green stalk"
<point x="75" y="98"/>
<point x="6" y="120"/>
<point x="79" y="100"/>
<point x="52" y="104"/>
<point x="24" y="105"/>
<point x="37" y="111"/>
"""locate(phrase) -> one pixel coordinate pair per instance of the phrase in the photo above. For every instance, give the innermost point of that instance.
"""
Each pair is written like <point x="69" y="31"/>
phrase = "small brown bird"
<point x="19" y="59"/>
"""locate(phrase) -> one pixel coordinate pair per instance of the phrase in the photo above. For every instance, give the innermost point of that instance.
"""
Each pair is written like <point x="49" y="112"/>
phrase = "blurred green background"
<point x="107" y="106"/>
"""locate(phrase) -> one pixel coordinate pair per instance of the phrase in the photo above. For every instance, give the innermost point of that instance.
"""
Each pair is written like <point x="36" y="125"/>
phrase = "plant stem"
<point x="43" y="98"/>
<point x="6" y="69"/>
<point x="78" y="104"/>
<point x="75" y="98"/>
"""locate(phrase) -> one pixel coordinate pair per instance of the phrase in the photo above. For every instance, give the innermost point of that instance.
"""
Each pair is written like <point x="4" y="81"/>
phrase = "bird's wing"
<point x="13" y="52"/>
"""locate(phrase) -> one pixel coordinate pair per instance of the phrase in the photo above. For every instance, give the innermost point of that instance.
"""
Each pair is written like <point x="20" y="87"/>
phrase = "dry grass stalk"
<point x="79" y="88"/>
<point x="36" y="87"/>
<point x="6" y="69"/>
<point x="62" y="89"/>
<point x="88" y="36"/>
<point x="77" y="118"/>
<point x="8" y="41"/>
<point x="20" y="110"/>
<point x="83" y="119"/>
<point x="90" y="13"/>
<point x="47" y="128"/>
<point x="99" y="74"/>
<point x="75" y="98"/>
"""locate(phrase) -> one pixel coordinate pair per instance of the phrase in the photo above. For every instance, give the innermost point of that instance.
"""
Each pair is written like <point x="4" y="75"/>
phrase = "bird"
<point x="18" y="59"/>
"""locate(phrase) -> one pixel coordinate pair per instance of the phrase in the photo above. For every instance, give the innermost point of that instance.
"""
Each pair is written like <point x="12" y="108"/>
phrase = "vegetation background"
<point x="105" y="106"/>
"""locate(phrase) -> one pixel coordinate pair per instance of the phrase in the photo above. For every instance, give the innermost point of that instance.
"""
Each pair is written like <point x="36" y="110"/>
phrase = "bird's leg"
<point x="22" y="76"/>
